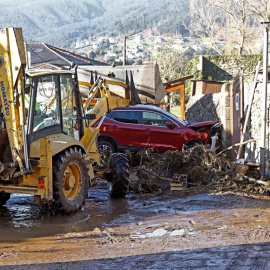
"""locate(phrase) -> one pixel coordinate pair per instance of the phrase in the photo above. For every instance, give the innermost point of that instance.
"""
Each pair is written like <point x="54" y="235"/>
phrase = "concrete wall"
<point x="222" y="67"/>
<point x="228" y="67"/>
<point x="252" y="150"/>
<point x="212" y="107"/>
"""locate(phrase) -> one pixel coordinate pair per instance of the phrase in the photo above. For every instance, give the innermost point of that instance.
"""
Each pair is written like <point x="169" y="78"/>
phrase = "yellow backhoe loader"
<point x="47" y="143"/>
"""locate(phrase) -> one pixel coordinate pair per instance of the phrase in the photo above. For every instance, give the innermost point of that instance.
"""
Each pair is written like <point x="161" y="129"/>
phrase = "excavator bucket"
<point x="144" y="81"/>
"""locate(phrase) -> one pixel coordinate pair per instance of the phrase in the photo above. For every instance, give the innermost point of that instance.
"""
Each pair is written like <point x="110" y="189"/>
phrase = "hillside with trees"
<point x="60" y="22"/>
<point x="235" y="22"/>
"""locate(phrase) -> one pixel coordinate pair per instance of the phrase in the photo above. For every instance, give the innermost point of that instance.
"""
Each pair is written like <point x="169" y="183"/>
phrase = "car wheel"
<point x="118" y="178"/>
<point x="105" y="149"/>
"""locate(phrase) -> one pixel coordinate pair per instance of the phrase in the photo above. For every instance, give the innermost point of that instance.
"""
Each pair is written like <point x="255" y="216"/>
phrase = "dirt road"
<point x="207" y="230"/>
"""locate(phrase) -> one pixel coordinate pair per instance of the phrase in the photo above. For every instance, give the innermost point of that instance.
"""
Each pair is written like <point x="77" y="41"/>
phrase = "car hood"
<point x="194" y="124"/>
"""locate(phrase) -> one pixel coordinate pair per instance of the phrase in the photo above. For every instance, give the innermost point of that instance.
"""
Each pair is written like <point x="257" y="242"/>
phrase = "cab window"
<point x="68" y="107"/>
<point x="47" y="109"/>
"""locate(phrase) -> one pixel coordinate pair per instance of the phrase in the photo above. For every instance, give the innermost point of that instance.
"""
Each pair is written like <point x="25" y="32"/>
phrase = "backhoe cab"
<point x="47" y="145"/>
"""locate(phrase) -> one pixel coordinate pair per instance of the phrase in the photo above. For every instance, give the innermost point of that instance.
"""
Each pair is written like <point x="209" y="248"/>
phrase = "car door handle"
<point x="114" y="127"/>
<point x="147" y="130"/>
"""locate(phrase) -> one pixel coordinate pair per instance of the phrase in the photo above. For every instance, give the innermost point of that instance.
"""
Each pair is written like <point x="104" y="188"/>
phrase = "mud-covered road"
<point x="207" y="230"/>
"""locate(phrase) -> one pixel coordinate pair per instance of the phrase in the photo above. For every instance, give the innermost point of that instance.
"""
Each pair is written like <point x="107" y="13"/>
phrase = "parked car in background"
<point x="147" y="126"/>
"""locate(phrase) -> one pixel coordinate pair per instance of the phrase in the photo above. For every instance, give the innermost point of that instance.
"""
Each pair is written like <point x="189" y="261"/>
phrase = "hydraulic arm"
<point x="12" y="63"/>
<point x="105" y="104"/>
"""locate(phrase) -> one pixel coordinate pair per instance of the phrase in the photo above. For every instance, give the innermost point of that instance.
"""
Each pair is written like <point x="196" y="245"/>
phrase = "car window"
<point x="154" y="119"/>
<point x="126" y="116"/>
<point x="175" y="118"/>
<point x="110" y="114"/>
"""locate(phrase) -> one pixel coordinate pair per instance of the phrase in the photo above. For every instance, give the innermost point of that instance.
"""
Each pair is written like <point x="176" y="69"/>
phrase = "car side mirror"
<point x="170" y="125"/>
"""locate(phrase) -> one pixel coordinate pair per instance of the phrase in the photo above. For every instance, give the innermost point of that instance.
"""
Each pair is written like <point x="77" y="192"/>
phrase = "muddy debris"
<point x="153" y="172"/>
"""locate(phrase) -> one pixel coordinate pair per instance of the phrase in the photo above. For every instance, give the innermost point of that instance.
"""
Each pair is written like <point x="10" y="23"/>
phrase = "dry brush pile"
<point x="153" y="172"/>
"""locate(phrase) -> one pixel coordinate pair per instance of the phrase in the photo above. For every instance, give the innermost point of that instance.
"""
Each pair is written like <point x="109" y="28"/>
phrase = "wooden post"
<point x="182" y="101"/>
<point x="176" y="85"/>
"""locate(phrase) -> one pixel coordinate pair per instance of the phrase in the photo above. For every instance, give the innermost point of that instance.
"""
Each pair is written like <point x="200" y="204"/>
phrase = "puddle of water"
<point x="21" y="219"/>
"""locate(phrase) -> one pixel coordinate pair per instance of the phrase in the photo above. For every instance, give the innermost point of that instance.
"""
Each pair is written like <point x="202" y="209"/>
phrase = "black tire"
<point x="105" y="149"/>
<point x="4" y="197"/>
<point x="70" y="181"/>
<point x="118" y="178"/>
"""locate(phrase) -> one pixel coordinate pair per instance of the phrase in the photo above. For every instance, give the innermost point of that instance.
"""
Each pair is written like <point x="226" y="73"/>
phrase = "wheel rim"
<point x="105" y="153"/>
<point x="72" y="181"/>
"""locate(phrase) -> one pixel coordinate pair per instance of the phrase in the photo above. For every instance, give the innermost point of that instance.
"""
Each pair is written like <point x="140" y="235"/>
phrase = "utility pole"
<point x="124" y="50"/>
<point x="264" y="96"/>
<point x="125" y="46"/>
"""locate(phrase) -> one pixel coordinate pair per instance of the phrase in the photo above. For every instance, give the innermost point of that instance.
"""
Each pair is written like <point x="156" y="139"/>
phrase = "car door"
<point x="157" y="135"/>
<point x="124" y="126"/>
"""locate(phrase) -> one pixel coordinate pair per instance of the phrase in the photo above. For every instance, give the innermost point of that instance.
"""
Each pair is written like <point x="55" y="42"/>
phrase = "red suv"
<point x="147" y="126"/>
